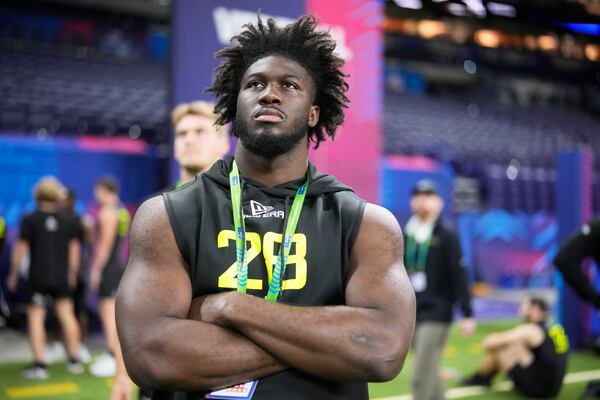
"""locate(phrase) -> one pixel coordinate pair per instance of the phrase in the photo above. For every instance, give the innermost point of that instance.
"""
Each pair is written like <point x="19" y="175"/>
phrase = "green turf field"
<point x="461" y="358"/>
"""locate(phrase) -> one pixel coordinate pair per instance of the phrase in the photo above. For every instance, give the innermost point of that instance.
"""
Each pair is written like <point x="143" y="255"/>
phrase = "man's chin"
<point x="192" y="166"/>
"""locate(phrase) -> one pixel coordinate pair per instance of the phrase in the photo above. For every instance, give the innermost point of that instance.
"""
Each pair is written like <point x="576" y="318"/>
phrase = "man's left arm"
<point x="529" y="334"/>
<point x="366" y="339"/>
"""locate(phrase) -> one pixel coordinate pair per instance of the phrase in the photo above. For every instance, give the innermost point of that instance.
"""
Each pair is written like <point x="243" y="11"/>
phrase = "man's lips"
<point x="269" y="115"/>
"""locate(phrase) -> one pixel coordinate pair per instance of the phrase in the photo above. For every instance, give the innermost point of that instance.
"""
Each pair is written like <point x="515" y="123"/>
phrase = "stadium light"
<point x="502" y="10"/>
<point x="428" y="29"/>
<point x="412" y="4"/>
<point x="487" y="38"/>
<point x="592" y="52"/>
<point x="547" y="43"/>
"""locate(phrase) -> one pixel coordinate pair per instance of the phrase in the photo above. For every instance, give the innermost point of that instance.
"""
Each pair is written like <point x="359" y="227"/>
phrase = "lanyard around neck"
<point x="240" y="235"/>
<point x="417" y="259"/>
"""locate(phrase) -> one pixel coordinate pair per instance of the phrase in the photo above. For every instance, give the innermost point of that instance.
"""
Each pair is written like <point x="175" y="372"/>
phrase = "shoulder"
<point x="29" y="218"/>
<point x="381" y="222"/>
<point x="446" y="226"/>
<point x="150" y="219"/>
<point x="532" y="332"/>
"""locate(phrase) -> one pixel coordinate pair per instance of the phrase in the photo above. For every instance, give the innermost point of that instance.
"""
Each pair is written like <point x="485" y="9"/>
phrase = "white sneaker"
<point x="104" y="366"/>
<point x="35" y="372"/>
<point x="84" y="354"/>
<point x="75" y="367"/>
<point x="56" y="352"/>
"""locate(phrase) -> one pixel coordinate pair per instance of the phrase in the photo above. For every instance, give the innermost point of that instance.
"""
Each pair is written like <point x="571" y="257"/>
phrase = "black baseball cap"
<point x="425" y="186"/>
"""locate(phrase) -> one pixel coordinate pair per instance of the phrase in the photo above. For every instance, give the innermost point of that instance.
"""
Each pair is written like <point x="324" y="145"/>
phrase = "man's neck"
<point x="273" y="171"/>
<point x="187" y="174"/>
<point x="47" y="206"/>
<point x="427" y="219"/>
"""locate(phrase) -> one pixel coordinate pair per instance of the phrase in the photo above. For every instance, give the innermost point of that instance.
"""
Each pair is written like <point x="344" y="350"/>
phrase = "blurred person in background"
<point x="583" y="245"/>
<point x="50" y="238"/>
<point x="199" y="141"/>
<point x="4" y="311"/>
<point x="436" y="269"/>
<point x="532" y="355"/>
<point x="83" y="228"/>
<point x="107" y="268"/>
<point x="2" y="235"/>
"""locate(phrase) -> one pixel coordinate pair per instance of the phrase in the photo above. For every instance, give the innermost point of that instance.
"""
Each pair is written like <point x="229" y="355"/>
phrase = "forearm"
<point x="337" y="342"/>
<point x="100" y="259"/>
<point x="191" y="355"/>
<point x="17" y="258"/>
<point x="74" y="257"/>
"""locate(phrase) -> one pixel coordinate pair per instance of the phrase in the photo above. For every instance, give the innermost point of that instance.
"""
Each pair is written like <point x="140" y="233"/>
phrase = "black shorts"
<point x="109" y="282"/>
<point x="534" y="382"/>
<point x="44" y="296"/>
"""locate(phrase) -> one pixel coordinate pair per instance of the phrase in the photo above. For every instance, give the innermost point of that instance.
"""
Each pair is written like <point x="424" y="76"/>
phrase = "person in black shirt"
<point x="51" y="240"/>
<point x="532" y="355"/>
<point x="569" y="258"/>
<point x="436" y="269"/>
<point x="584" y="244"/>
<point x="339" y="310"/>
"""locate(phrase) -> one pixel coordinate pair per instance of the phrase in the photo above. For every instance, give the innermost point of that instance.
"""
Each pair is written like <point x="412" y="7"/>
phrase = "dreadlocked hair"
<point x="300" y="41"/>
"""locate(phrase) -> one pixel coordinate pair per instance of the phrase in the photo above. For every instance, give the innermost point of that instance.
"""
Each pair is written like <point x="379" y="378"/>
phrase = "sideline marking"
<point x="470" y="391"/>
<point x="42" y="390"/>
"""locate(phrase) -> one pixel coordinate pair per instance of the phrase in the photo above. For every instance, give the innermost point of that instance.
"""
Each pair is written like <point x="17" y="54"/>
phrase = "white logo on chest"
<point x="51" y="224"/>
<point x="261" y="211"/>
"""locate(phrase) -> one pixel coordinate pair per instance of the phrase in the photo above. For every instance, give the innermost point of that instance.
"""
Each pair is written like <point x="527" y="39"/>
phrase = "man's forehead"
<point x="277" y="65"/>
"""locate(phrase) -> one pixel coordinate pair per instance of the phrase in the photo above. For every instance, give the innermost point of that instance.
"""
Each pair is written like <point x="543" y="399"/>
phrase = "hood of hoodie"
<point x="319" y="183"/>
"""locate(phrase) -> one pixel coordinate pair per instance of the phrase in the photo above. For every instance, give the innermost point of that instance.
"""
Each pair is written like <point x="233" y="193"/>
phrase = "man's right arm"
<point x="163" y="349"/>
<point x="570" y="256"/>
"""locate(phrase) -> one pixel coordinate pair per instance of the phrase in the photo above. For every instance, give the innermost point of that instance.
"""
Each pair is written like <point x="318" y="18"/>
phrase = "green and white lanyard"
<point x="240" y="237"/>
<point x="416" y="260"/>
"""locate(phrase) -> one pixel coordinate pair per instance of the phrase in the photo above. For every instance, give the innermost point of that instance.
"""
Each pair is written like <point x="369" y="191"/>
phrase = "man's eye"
<point x="290" y="85"/>
<point x="255" y="84"/>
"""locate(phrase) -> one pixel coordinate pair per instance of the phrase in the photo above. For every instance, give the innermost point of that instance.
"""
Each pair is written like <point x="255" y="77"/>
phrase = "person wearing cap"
<point x="436" y="269"/>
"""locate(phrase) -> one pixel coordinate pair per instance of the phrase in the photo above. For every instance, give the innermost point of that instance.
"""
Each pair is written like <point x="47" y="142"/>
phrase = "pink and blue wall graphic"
<point x="200" y="28"/>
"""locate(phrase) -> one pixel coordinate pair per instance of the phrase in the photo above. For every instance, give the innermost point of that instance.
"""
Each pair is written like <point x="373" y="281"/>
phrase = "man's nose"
<point x="270" y="96"/>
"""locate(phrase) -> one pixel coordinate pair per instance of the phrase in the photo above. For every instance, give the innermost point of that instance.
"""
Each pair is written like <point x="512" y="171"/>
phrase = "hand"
<point x="11" y="282"/>
<point x="95" y="279"/>
<point x="467" y="326"/>
<point x="211" y="308"/>
<point x="121" y="389"/>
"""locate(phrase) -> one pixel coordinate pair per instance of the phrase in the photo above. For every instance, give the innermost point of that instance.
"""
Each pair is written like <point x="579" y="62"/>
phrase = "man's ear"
<point x="313" y="116"/>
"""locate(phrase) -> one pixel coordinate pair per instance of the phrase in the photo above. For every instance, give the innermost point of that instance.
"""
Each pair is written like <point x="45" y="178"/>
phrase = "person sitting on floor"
<point x="533" y="356"/>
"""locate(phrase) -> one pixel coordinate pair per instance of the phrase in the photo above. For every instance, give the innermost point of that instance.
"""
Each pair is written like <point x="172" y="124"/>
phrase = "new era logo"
<point x="258" y="209"/>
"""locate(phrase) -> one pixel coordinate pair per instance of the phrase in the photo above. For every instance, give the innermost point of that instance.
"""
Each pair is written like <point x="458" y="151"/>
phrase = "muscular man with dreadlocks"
<point x="265" y="279"/>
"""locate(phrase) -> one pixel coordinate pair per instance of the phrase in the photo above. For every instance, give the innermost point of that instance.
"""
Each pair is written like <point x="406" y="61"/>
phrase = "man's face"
<point x="198" y="144"/>
<point x="525" y="309"/>
<point x="275" y="106"/>
<point x="101" y="194"/>
<point x="426" y="204"/>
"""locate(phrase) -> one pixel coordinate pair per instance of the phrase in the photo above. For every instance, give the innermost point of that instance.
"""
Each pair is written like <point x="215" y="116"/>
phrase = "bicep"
<point x="156" y="283"/>
<point x="377" y="277"/>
